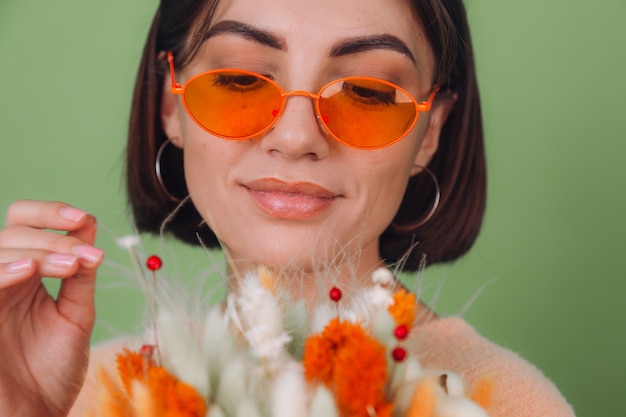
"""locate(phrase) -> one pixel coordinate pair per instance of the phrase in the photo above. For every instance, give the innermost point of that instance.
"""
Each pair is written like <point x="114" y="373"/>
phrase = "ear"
<point x="170" y="115"/>
<point x="442" y="105"/>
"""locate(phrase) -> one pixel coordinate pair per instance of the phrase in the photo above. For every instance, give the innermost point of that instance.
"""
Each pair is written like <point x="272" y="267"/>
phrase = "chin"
<point x="302" y="255"/>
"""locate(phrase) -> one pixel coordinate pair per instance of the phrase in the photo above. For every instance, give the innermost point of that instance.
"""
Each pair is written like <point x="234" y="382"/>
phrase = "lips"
<point x="290" y="200"/>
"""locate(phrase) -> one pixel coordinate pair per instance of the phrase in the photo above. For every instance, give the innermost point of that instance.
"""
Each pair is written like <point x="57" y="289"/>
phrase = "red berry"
<point x="401" y="332"/>
<point x="154" y="263"/>
<point x="146" y="351"/>
<point x="399" y="354"/>
<point x="335" y="294"/>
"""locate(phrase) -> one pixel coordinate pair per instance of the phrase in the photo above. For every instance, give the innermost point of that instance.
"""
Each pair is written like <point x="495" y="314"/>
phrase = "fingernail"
<point x="72" y="214"/>
<point x="19" y="266"/>
<point x="88" y="253"/>
<point x="61" y="259"/>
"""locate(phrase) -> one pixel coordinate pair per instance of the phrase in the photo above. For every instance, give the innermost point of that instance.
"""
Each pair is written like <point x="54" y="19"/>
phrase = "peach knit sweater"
<point x="448" y="344"/>
<point x="520" y="389"/>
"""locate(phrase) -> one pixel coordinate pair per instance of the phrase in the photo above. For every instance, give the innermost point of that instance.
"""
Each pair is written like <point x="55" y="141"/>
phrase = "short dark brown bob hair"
<point x="459" y="163"/>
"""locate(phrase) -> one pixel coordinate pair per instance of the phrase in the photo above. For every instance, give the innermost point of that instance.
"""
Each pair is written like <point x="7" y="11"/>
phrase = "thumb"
<point x="77" y="294"/>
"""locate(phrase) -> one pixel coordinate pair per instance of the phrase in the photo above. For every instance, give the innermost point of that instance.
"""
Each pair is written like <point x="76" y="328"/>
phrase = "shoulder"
<point x="520" y="389"/>
<point x="101" y="357"/>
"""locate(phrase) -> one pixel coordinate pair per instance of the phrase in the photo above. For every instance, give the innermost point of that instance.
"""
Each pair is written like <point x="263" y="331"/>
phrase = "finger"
<point x="45" y="215"/>
<point x="76" y="295"/>
<point x="20" y="236"/>
<point x="27" y="238"/>
<point x="34" y="264"/>
<point x="16" y="272"/>
<point x="87" y="232"/>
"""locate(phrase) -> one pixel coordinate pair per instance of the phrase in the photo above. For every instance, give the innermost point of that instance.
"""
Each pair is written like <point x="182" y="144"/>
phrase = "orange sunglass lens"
<point x="232" y="104"/>
<point x="367" y="113"/>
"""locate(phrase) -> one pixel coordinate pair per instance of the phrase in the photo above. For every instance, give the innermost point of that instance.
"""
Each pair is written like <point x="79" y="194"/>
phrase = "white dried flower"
<point x="454" y="385"/>
<point x="289" y="393"/>
<point x="382" y="276"/>
<point x="128" y="241"/>
<point x="322" y="315"/>
<point x="182" y="356"/>
<point x="262" y="319"/>
<point x="351" y="316"/>
<point x="459" y="407"/>
<point x="379" y="296"/>
<point x="266" y="344"/>
<point x="323" y="404"/>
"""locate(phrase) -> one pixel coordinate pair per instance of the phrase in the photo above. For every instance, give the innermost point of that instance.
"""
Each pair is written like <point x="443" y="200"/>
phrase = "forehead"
<point x="318" y="24"/>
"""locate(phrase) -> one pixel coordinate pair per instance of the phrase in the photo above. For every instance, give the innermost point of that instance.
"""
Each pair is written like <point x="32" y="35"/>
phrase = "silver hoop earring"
<point x="433" y="207"/>
<point x="157" y="170"/>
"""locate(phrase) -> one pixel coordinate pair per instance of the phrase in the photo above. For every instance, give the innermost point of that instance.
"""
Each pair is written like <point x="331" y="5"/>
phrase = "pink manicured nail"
<point x="88" y="253"/>
<point x="19" y="266"/>
<point x="61" y="259"/>
<point x="72" y="214"/>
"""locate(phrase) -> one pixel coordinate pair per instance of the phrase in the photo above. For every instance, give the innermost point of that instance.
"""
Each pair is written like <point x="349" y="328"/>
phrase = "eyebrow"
<point x="258" y="35"/>
<point x="345" y="47"/>
<point x="368" y="43"/>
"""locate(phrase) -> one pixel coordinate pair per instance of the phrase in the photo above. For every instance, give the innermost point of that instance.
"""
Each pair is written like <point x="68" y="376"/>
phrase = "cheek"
<point x="385" y="181"/>
<point x="198" y="173"/>
<point x="204" y="168"/>
<point x="203" y="154"/>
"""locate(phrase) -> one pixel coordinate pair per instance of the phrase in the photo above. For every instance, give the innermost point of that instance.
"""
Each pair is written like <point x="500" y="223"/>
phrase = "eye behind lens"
<point x="232" y="104"/>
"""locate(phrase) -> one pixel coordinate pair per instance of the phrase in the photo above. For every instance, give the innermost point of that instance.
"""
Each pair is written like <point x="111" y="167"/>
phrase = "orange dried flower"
<point x="482" y="393"/>
<point x="404" y="308"/>
<point x="131" y="366"/>
<point x="318" y="359"/>
<point x="266" y="278"/>
<point x="111" y="400"/>
<point x="352" y="364"/>
<point x="169" y="396"/>
<point x="424" y="400"/>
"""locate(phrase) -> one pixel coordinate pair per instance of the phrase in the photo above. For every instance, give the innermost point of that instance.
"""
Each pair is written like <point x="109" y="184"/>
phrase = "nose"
<point x="297" y="133"/>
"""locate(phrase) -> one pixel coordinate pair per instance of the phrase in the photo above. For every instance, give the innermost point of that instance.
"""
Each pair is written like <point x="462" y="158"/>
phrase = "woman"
<point x="332" y="186"/>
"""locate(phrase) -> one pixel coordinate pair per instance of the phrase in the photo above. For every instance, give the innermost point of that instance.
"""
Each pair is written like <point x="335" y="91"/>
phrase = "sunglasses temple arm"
<point x="176" y="87"/>
<point x="425" y="105"/>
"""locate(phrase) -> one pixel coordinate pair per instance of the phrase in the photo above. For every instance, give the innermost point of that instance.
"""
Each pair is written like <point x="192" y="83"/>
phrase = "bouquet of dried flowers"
<point x="263" y="354"/>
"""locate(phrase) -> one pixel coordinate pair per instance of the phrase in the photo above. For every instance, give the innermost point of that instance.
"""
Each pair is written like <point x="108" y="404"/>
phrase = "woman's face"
<point x="295" y="196"/>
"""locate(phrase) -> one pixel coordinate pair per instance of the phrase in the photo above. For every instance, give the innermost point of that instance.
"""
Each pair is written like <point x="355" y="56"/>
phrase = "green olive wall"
<point x="551" y="259"/>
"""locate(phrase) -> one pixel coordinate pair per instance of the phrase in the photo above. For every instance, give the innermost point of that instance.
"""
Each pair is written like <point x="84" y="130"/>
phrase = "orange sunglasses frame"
<point x="420" y="107"/>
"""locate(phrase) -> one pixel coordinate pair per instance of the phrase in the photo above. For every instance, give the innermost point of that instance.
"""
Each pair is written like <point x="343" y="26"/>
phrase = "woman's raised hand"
<point x="44" y="342"/>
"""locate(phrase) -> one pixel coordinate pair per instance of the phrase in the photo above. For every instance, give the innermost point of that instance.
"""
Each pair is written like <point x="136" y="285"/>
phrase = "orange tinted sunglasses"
<point x="361" y="112"/>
